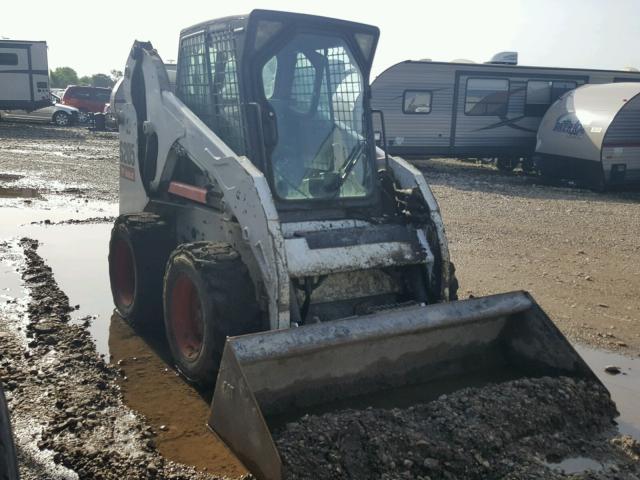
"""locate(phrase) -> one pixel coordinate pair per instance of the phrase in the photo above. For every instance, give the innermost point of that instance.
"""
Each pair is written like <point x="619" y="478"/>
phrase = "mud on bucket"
<point x="391" y="358"/>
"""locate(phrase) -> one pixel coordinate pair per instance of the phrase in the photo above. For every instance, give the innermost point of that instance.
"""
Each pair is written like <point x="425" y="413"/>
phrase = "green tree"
<point x="101" y="80"/>
<point x="61" y="77"/>
<point x="85" y="80"/>
<point x="115" y="75"/>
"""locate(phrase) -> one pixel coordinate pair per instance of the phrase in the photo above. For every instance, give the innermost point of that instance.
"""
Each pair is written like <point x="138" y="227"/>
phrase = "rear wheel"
<point x="139" y="248"/>
<point x="61" y="119"/>
<point x="208" y="295"/>
<point x="506" y="164"/>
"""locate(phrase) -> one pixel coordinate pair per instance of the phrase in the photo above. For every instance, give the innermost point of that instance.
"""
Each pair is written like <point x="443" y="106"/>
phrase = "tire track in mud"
<point x="64" y="397"/>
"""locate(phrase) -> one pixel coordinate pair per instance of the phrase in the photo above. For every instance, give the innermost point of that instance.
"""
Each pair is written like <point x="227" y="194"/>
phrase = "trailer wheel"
<point x="506" y="164"/>
<point x="528" y="165"/>
<point x="208" y="296"/>
<point x="139" y="248"/>
<point x="8" y="462"/>
<point x="453" y="283"/>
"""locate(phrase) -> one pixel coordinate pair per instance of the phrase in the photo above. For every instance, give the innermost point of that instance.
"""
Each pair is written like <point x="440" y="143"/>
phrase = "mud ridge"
<point x="73" y="221"/>
<point x="59" y="382"/>
<point x="505" y="431"/>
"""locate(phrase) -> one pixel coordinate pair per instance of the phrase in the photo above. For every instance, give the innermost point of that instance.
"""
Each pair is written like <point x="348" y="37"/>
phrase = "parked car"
<point x="86" y="99"/>
<point x="59" y="114"/>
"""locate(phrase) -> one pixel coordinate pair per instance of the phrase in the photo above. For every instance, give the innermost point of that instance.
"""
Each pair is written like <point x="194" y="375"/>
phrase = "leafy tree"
<point x="101" y="80"/>
<point x="85" y="80"/>
<point x="115" y="75"/>
<point x="63" y="76"/>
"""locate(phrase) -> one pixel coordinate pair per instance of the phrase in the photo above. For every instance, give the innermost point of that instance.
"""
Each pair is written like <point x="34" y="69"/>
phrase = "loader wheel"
<point x="208" y="296"/>
<point x="138" y="251"/>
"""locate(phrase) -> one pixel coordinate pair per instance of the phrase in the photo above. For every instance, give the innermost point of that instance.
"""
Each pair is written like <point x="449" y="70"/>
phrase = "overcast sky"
<point x="94" y="37"/>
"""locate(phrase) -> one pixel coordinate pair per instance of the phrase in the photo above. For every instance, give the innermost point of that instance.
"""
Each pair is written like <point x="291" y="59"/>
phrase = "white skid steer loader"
<point x="293" y="260"/>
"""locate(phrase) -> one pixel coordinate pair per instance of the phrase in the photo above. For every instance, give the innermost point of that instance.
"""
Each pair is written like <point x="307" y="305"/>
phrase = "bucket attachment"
<point x="391" y="358"/>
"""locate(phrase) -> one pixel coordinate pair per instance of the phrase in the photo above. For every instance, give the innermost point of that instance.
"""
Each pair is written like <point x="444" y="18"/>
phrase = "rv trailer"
<point x="593" y="135"/>
<point x="468" y="110"/>
<point x="24" y="75"/>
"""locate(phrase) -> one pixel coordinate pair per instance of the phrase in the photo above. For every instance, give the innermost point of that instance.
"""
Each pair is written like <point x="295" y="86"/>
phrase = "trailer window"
<point x="416" y="101"/>
<point x="487" y="96"/>
<point x="8" y="59"/>
<point x="542" y="93"/>
<point x="560" y="88"/>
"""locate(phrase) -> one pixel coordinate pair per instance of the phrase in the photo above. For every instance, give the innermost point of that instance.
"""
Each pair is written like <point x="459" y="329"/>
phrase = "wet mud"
<point x="507" y="431"/>
<point x="69" y="396"/>
<point x="175" y="410"/>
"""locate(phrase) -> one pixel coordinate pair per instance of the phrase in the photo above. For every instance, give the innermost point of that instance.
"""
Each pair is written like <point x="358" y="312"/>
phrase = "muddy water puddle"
<point x="624" y="387"/>
<point x="77" y="255"/>
<point x="575" y="465"/>
<point x="176" y="411"/>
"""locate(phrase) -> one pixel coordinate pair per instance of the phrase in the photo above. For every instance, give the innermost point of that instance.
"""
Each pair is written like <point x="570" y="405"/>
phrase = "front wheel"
<point x="506" y="164"/>
<point x="208" y="296"/>
<point x="61" y="119"/>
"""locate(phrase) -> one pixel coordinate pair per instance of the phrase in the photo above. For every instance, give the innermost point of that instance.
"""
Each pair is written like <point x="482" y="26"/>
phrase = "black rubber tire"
<point x="61" y="119"/>
<point x="528" y="165"/>
<point x="453" y="283"/>
<point x="221" y="302"/>
<point x="139" y="248"/>
<point x="8" y="462"/>
<point x="506" y="164"/>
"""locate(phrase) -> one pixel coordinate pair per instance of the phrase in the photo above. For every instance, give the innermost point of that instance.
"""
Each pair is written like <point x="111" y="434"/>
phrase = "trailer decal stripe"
<point x="26" y="70"/>
<point x="621" y="144"/>
<point x="189" y="192"/>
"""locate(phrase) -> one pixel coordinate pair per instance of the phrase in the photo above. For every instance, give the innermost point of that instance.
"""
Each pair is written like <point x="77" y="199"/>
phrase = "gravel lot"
<point x="576" y="251"/>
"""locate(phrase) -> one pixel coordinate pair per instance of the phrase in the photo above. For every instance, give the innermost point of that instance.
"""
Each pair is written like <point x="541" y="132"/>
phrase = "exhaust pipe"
<point x="391" y="358"/>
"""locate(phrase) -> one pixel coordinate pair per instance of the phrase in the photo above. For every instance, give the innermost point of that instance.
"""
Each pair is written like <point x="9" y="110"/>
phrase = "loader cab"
<point x="291" y="92"/>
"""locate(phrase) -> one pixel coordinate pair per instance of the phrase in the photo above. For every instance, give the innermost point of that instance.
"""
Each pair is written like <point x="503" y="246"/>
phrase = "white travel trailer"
<point x="593" y="134"/>
<point x="24" y="75"/>
<point x="474" y="110"/>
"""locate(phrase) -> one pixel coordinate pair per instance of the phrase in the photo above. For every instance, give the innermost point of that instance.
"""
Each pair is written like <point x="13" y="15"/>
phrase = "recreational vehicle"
<point x="593" y="134"/>
<point x="474" y="110"/>
<point x="24" y="75"/>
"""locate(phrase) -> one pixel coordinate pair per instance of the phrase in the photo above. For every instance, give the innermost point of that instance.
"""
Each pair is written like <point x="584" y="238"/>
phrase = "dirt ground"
<point x="80" y="415"/>
<point x="576" y="251"/>
<point x="56" y="160"/>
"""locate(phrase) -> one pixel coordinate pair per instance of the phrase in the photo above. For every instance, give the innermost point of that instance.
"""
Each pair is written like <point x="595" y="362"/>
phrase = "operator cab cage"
<point x="290" y="92"/>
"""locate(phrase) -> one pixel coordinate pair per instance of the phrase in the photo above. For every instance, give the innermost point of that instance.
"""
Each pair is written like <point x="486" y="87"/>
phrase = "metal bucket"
<point x="389" y="359"/>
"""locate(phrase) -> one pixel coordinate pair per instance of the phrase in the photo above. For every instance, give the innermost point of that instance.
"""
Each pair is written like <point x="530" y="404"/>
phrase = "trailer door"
<point x="489" y="116"/>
